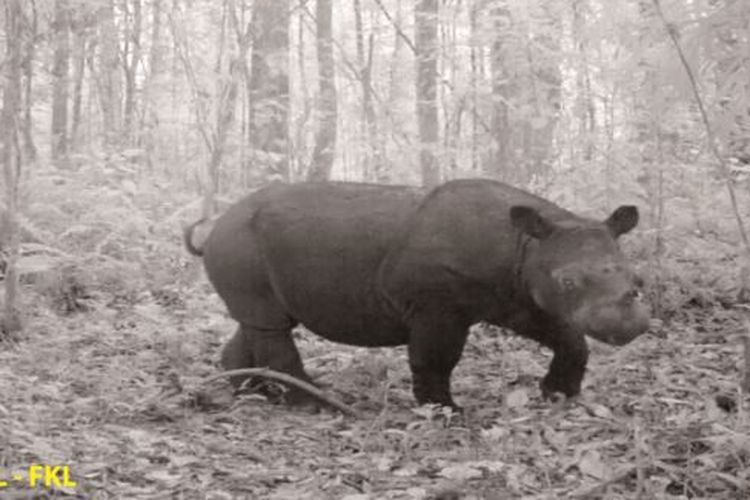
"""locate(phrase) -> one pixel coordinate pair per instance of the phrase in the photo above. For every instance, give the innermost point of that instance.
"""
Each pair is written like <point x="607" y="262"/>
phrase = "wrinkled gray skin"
<point x="372" y="265"/>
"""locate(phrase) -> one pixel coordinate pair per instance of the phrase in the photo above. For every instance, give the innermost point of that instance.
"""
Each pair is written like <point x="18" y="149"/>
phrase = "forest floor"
<point x="114" y="393"/>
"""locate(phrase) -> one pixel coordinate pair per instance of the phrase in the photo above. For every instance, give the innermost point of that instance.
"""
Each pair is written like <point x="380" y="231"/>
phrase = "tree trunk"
<point x="362" y="70"/>
<point x="269" y="86"/>
<point x="110" y="86"/>
<point x="394" y="79"/>
<point x="156" y="54"/>
<point x="11" y="155"/>
<point x="132" y="60"/>
<point x="453" y="103"/>
<point x="474" y="58"/>
<point x="546" y="83"/>
<point x="28" y="74"/>
<point x="325" y="136"/>
<point x="584" y="103"/>
<point x="61" y="28"/>
<point x="498" y="159"/>
<point x="149" y="116"/>
<point x="426" y="22"/>
<point x="226" y="103"/>
<point x="374" y="167"/>
<point x="79" y="69"/>
<point x="301" y="123"/>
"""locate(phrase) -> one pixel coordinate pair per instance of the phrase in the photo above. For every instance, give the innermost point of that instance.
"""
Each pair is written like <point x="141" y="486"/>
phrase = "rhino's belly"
<point x="370" y="336"/>
<point x="340" y="319"/>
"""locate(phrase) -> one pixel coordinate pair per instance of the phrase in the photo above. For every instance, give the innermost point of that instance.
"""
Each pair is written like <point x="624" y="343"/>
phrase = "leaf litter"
<point x="109" y="394"/>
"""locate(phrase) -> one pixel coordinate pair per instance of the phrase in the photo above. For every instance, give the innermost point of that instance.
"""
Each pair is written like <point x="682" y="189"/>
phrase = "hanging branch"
<point x="396" y="26"/>
<point x="674" y="36"/>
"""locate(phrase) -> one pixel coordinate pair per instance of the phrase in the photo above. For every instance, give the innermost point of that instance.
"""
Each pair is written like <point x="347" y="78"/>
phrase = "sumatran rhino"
<point x="372" y="265"/>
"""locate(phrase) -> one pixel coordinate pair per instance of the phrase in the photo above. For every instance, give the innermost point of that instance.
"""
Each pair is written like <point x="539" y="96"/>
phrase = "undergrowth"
<point x="121" y="327"/>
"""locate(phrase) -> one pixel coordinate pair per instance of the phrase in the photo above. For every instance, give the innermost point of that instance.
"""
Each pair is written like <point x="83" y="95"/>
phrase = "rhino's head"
<point x="576" y="273"/>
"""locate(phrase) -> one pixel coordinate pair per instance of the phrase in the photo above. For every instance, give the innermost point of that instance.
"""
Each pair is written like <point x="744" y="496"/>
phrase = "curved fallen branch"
<point x="287" y="379"/>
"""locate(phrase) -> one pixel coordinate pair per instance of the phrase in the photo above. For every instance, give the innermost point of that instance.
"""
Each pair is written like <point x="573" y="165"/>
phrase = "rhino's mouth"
<point x="612" y="324"/>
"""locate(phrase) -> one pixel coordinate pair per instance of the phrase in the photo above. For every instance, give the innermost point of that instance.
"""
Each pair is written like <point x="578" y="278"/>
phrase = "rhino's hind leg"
<point x="266" y="348"/>
<point x="237" y="353"/>
<point x="263" y="340"/>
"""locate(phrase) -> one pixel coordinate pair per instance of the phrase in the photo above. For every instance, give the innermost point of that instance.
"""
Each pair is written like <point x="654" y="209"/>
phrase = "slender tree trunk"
<point x="645" y="123"/>
<point x="149" y="116"/>
<point x="546" y="78"/>
<point x="395" y="73"/>
<point x="452" y="103"/>
<point x="584" y="105"/>
<point x="28" y="74"/>
<point x="301" y="127"/>
<point x="476" y="53"/>
<point x="79" y="69"/>
<point x="174" y="78"/>
<point x="110" y="88"/>
<point x="244" y="10"/>
<point x="325" y="136"/>
<point x="61" y="27"/>
<point x="498" y="160"/>
<point x="11" y="155"/>
<point x="92" y="96"/>
<point x="226" y="103"/>
<point x="646" y="140"/>
<point x="359" y="37"/>
<point x="374" y="161"/>
<point x="125" y="49"/>
<point x="156" y="54"/>
<point x="133" y="59"/>
<point x="426" y="22"/>
<point x="199" y="95"/>
<point x="269" y="85"/>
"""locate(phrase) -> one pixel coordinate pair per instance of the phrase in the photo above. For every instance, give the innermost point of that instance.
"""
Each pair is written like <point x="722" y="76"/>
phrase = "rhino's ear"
<point x="622" y="220"/>
<point x="528" y="221"/>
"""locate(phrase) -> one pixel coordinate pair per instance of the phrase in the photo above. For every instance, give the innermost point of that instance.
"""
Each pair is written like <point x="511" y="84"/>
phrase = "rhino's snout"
<point x="615" y="323"/>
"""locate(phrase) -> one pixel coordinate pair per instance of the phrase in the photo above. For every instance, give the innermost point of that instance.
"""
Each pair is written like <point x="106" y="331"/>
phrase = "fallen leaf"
<point x="408" y="470"/>
<point x="495" y="433"/>
<point x="591" y="464"/>
<point x="417" y="493"/>
<point x="600" y="411"/>
<point x="460" y="472"/>
<point x="517" y="399"/>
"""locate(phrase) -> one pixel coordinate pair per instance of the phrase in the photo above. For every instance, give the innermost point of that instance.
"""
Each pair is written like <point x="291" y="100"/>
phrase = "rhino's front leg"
<point x="436" y="341"/>
<point x="570" y="355"/>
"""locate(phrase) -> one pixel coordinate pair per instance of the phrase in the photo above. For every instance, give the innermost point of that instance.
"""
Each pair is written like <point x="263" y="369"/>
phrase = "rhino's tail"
<point x="187" y="238"/>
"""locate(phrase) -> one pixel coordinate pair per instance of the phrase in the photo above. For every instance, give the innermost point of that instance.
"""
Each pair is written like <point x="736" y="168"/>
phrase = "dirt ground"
<point x="114" y="394"/>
